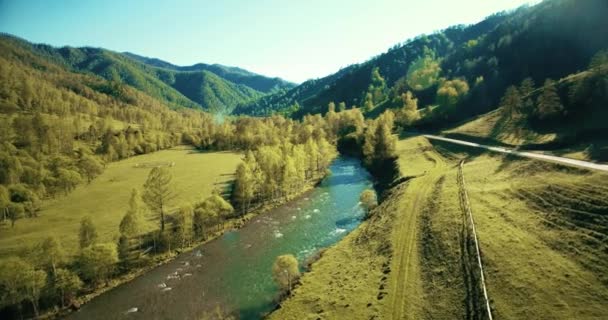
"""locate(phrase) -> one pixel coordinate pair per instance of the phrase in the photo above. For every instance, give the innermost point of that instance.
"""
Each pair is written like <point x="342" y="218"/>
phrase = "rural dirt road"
<point x="532" y="155"/>
<point x="405" y="287"/>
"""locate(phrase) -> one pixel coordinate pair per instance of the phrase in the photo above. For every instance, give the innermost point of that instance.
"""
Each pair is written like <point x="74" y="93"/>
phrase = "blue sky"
<point x="295" y="40"/>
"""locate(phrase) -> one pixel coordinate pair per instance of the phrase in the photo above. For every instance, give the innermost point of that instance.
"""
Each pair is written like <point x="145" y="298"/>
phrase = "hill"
<point x="575" y="129"/>
<point x="211" y="87"/>
<point x="461" y="71"/>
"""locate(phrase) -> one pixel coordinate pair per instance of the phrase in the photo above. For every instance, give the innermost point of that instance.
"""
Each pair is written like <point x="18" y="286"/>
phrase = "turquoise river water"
<point x="234" y="271"/>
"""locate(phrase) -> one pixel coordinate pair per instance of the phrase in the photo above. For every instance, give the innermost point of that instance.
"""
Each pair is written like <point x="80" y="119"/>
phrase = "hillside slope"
<point x="539" y="42"/>
<point x="578" y="130"/>
<point x="543" y="248"/>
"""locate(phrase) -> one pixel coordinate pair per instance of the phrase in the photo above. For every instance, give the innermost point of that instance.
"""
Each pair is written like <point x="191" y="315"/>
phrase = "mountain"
<point x="541" y="41"/>
<point x="233" y="74"/>
<point x="211" y="87"/>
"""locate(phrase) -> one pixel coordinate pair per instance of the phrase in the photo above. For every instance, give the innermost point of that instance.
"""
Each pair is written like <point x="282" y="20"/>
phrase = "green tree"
<point x="5" y="201"/>
<point x="15" y="211"/>
<point x="244" y="186"/>
<point x="285" y="271"/>
<point x="198" y="224"/>
<point x="511" y="103"/>
<point x="216" y="209"/>
<point x="409" y="112"/>
<point x="182" y="226"/>
<point x="98" y="262"/>
<point x="90" y="167"/>
<point x="68" y="179"/>
<point x="450" y="92"/>
<point x="549" y="103"/>
<point x="368" y="200"/>
<point x="67" y="283"/>
<point x="88" y="233"/>
<point x="341" y="106"/>
<point x="526" y="88"/>
<point x="158" y="192"/>
<point x="21" y="281"/>
<point x="51" y="254"/>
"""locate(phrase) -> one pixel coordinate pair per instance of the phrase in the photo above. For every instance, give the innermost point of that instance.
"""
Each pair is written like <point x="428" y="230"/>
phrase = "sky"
<point x="294" y="40"/>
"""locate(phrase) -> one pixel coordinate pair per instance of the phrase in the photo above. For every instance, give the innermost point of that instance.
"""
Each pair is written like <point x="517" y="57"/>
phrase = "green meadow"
<point x="106" y="198"/>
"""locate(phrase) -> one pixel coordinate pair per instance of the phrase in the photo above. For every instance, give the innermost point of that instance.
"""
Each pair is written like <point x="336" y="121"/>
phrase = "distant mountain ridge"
<point x="234" y="74"/>
<point x="211" y="87"/>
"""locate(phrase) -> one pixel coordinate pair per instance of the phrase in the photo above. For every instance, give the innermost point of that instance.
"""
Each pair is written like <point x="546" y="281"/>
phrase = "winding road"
<point x="532" y="155"/>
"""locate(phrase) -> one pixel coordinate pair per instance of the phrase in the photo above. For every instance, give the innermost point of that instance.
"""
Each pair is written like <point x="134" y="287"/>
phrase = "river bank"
<point x="167" y="257"/>
<point x="233" y="270"/>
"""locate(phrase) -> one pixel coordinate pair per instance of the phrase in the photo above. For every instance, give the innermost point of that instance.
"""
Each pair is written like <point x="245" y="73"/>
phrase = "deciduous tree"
<point x="285" y="271"/>
<point x="158" y="192"/>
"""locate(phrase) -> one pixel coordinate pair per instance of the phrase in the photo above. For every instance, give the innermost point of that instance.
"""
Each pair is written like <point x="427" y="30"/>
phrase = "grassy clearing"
<point x="106" y="198"/>
<point x="542" y="231"/>
<point x="581" y="141"/>
<point x="497" y="127"/>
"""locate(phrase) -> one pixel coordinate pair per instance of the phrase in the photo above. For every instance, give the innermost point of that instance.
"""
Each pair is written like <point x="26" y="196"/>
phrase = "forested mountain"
<point x="212" y="87"/>
<point x="460" y="71"/>
<point x="233" y="74"/>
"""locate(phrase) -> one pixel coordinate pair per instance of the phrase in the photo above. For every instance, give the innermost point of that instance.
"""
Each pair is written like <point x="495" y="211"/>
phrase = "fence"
<point x="466" y="207"/>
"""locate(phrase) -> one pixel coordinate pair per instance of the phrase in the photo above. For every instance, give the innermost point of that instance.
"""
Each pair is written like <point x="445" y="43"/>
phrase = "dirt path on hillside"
<point x="405" y="287"/>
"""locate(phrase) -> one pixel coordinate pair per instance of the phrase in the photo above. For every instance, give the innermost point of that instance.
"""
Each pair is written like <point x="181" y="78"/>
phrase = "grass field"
<point x="574" y="140"/>
<point x="542" y="230"/>
<point x="195" y="174"/>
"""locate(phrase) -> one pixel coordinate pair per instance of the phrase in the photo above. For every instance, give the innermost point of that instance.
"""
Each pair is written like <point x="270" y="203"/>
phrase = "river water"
<point x="234" y="271"/>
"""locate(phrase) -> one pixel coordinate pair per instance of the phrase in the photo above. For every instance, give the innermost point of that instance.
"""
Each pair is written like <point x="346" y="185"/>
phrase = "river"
<point x="234" y="270"/>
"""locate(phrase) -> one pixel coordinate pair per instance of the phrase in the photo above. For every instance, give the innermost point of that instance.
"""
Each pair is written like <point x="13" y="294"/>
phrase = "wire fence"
<point x="476" y="281"/>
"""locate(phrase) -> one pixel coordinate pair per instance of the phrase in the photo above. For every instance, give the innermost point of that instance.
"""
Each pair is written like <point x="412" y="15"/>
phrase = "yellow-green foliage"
<point x="423" y="73"/>
<point x="106" y="199"/>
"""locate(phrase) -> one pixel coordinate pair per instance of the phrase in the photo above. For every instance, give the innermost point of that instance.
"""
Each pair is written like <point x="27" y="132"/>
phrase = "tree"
<point x="67" y="283"/>
<point x="549" y="103"/>
<point x="21" y="281"/>
<point x="90" y="167"/>
<point x="368" y="200"/>
<point x="97" y="262"/>
<point x="525" y="89"/>
<point x="368" y="102"/>
<point x="182" y="226"/>
<point x="216" y="208"/>
<point x="450" y="92"/>
<point x="51" y="254"/>
<point x="341" y="106"/>
<point x="244" y="186"/>
<point x="15" y="211"/>
<point x="130" y="226"/>
<point x="511" y="102"/>
<point x="88" y="232"/>
<point x="285" y="271"/>
<point x="289" y="176"/>
<point x="4" y="202"/>
<point x="198" y="224"/>
<point x="68" y="179"/>
<point x="409" y="111"/>
<point x="157" y="192"/>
